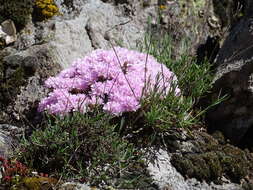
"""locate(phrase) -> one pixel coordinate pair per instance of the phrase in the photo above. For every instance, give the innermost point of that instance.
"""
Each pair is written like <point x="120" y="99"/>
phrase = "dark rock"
<point x="208" y="50"/>
<point x="229" y="11"/>
<point x="30" y="65"/>
<point x="234" y="78"/>
<point x="13" y="61"/>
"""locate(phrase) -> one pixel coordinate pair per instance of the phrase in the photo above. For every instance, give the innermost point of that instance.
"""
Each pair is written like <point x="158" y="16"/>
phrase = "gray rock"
<point x="7" y="143"/>
<point x="36" y="64"/>
<point x="96" y="25"/>
<point x="26" y="37"/>
<point x="26" y="102"/>
<point x="75" y="186"/>
<point x="190" y="24"/>
<point x="8" y="32"/>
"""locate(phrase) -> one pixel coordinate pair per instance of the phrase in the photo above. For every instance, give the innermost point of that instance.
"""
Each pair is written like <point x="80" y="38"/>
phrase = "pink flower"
<point x="100" y="78"/>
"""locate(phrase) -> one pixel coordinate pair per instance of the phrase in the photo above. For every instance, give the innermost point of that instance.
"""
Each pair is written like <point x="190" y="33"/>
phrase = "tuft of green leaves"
<point x="194" y="80"/>
<point x="85" y="148"/>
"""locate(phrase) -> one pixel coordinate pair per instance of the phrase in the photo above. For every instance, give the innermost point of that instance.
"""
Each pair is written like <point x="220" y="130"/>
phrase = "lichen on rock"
<point x="45" y="9"/>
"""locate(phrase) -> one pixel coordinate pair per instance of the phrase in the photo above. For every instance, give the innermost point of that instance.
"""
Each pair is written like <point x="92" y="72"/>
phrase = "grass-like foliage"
<point x="104" y="149"/>
<point x="85" y="148"/>
<point x="194" y="81"/>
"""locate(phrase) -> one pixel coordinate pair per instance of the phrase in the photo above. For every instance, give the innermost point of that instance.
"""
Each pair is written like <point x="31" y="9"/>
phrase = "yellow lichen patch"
<point x="162" y="7"/>
<point x="46" y="8"/>
<point x="37" y="183"/>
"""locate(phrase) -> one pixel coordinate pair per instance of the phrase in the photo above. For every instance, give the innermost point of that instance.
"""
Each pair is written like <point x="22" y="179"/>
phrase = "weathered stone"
<point x="8" y="32"/>
<point x="188" y="23"/>
<point x="215" y="163"/>
<point x="80" y="29"/>
<point x="88" y="30"/>
<point x="26" y="37"/>
<point x="6" y="147"/>
<point x="22" y="88"/>
<point x="7" y="141"/>
<point x="75" y="186"/>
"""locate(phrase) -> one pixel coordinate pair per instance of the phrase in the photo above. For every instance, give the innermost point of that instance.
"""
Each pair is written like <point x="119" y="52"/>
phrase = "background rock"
<point x="26" y="37"/>
<point x="234" y="78"/>
<point x="8" y="32"/>
<point x="75" y="186"/>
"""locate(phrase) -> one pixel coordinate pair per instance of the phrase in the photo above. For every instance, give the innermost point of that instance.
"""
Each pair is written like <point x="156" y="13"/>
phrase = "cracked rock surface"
<point x="97" y="25"/>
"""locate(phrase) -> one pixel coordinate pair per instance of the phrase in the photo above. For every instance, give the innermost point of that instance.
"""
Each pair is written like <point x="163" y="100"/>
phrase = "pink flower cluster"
<point x="116" y="79"/>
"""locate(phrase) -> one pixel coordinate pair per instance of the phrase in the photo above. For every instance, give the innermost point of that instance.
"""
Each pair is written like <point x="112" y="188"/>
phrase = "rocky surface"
<point x="199" y="161"/>
<point x="195" y="26"/>
<point x="106" y="26"/>
<point x="167" y="177"/>
<point x="234" y="78"/>
<point x="8" y="139"/>
<point x="7" y="33"/>
<point x="22" y="84"/>
<point x="75" y="186"/>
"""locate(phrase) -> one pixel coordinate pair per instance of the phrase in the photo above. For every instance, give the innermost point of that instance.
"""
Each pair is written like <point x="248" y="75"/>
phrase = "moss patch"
<point x="212" y="160"/>
<point x="32" y="183"/>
